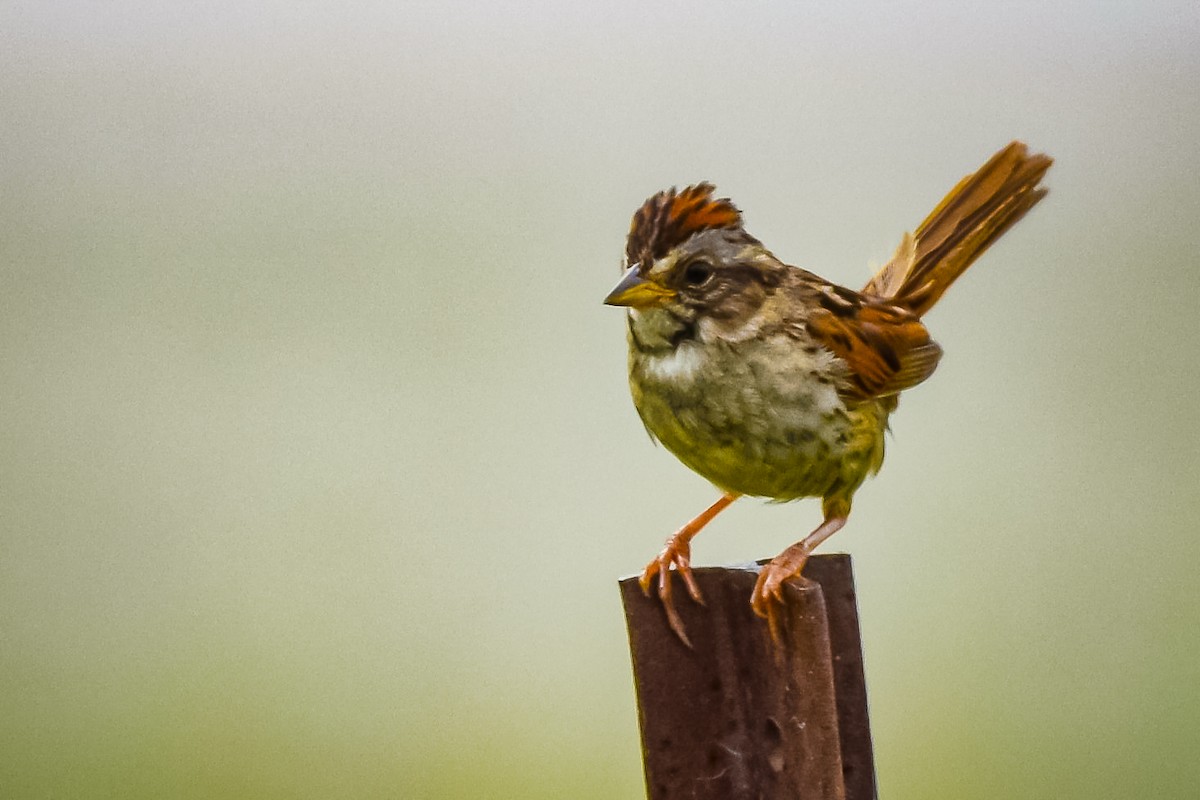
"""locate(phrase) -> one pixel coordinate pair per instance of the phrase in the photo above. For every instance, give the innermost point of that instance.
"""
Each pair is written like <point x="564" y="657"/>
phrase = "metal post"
<point x="740" y="717"/>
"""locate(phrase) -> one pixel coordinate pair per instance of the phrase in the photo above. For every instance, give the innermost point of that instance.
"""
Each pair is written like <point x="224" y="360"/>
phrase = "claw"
<point x="767" y="598"/>
<point x="673" y="619"/>
<point x="693" y="588"/>
<point x="676" y="556"/>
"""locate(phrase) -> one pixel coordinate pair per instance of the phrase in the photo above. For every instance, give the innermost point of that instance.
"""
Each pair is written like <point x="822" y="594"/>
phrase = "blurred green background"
<point x="319" y="466"/>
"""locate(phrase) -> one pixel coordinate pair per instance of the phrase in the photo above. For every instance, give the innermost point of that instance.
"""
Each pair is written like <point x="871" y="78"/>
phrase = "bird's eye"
<point x="697" y="273"/>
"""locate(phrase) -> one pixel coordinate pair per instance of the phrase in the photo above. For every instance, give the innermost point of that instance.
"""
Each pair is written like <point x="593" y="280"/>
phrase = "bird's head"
<point x="689" y="256"/>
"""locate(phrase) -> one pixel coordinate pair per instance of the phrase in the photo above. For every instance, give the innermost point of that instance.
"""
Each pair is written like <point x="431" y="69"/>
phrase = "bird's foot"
<point x="676" y="556"/>
<point x="767" y="597"/>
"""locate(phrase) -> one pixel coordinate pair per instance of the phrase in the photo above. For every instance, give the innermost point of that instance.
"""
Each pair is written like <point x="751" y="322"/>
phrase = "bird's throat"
<point x="659" y="330"/>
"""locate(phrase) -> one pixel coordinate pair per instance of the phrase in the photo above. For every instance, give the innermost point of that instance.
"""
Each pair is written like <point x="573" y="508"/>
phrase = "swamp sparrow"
<point x="773" y="382"/>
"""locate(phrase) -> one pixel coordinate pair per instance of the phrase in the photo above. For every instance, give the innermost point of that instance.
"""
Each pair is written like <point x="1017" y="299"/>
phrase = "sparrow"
<point x="772" y="382"/>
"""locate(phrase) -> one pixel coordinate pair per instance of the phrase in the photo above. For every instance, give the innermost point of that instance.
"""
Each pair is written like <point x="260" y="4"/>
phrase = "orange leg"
<point x="677" y="554"/>
<point x="767" y="598"/>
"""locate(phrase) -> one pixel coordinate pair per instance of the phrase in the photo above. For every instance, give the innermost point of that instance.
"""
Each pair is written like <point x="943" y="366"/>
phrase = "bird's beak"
<point x="638" y="292"/>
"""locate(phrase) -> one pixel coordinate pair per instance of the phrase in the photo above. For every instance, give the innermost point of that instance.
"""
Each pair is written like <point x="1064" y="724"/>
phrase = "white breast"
<point x="679" y="366"/>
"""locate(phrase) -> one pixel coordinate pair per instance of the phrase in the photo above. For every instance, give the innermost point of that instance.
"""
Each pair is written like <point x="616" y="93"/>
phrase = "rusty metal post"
<point x="739" y="717"/>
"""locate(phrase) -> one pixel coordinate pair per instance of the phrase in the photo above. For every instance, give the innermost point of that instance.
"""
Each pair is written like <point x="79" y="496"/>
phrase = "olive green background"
<point x="319" y="468"/>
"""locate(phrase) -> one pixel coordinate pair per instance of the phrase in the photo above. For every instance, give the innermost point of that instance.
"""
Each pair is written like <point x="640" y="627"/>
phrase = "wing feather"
<point x="886" y="348"/>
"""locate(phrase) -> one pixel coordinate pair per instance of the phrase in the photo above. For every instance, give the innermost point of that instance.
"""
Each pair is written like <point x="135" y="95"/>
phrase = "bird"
<point x="773" y="382"/>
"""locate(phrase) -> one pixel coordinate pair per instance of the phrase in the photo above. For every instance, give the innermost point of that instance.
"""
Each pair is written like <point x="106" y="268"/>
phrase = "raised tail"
<point x="973" y="215"/>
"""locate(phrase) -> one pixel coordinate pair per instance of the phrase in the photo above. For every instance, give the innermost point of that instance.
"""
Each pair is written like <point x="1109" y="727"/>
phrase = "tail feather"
<point x="969" y="219"/>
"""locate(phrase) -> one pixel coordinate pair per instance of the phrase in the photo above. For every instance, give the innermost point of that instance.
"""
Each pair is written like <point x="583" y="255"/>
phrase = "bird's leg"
<point x="677" y="554"/>
<point x="767" y="598"/>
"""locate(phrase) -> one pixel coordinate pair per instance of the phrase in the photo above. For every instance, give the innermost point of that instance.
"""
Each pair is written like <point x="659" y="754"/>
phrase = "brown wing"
<point x="885" y="347"/>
